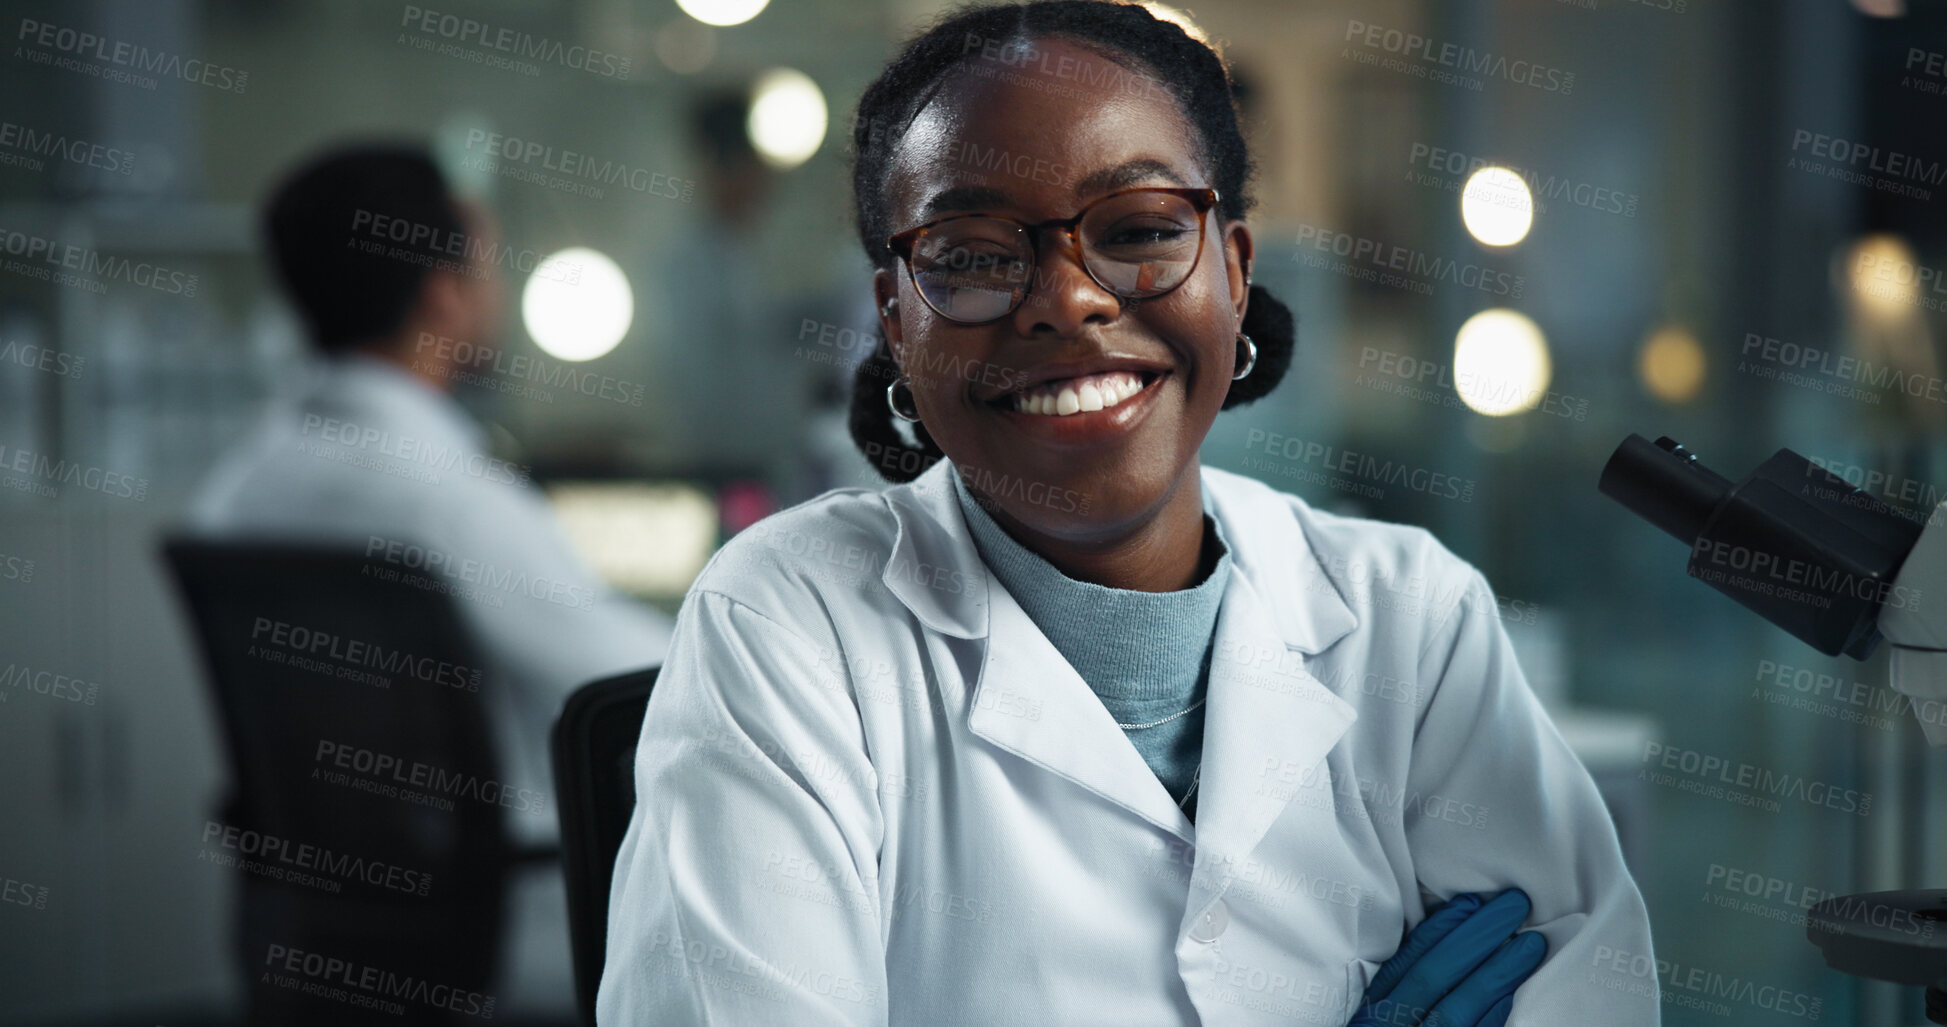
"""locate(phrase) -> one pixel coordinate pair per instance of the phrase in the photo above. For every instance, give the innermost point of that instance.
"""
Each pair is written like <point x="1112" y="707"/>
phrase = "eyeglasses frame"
<point x="1202" y="198"/>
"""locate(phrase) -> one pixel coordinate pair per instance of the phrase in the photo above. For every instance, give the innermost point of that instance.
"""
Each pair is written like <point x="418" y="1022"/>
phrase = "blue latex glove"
<point x="1458" y="968"/>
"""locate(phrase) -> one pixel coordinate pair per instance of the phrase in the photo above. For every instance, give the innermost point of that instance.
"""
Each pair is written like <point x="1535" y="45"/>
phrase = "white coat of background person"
<point x="373" y="453"/>
<point x="871" y="790"/>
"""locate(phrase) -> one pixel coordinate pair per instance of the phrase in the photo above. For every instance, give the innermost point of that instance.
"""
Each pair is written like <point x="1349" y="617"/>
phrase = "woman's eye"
<point x="975" y="261"/>
<point x="1137" y="235"/>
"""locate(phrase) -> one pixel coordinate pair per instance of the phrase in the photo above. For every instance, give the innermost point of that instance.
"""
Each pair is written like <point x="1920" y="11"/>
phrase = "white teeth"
<point x="1079" y="395"/>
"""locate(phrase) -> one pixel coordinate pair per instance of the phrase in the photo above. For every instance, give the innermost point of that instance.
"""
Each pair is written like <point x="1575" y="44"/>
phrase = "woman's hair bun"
<point x="1272" y="327"/>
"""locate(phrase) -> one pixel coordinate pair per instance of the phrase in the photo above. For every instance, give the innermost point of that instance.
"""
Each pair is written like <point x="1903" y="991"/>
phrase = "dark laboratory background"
<point x="1720" y="221"/>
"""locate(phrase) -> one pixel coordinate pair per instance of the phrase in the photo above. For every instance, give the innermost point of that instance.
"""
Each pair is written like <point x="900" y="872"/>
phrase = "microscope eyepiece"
<point x="1793" y="542"/>
<point x="1663" y="483"/>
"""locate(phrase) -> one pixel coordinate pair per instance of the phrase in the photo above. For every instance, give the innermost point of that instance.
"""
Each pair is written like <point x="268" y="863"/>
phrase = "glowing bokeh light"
<point x="1497" y="207"/>
<point x="1500" y="363"/>
<point x="577" y="305"/>
<point x="1671" y="364"/>
<point x="722" y="13"/>
<point x="787" y="117"/>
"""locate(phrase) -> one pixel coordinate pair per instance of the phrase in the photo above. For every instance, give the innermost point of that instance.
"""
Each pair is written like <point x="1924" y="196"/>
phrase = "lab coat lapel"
<point x="1027" y="698"/>
<point x="1266" y="710"/>
<point x="1031" y="701"/>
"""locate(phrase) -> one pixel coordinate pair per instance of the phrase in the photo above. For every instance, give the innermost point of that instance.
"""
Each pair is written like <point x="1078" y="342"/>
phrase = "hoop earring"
<point x="892" y="401"/>
<point x="1250" y="356"/>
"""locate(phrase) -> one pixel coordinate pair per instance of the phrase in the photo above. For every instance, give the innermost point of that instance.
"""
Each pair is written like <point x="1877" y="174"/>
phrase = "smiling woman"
<point x="1065" y="727"/>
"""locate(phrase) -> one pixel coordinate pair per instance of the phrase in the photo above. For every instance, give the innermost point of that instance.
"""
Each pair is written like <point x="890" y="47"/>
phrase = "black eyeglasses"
<point x="977" y="268"/>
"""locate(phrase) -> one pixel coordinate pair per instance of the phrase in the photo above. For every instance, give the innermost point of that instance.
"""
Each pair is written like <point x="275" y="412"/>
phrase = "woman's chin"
<point x="1075" y="499"/>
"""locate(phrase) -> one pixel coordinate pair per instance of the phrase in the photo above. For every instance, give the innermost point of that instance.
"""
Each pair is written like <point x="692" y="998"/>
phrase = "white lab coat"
<point x="872" y="792"/>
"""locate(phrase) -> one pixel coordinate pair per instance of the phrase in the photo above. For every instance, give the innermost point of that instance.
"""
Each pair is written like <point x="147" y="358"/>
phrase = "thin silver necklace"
<point x="1196" y="777"/>
<point x="1185" y="711"/>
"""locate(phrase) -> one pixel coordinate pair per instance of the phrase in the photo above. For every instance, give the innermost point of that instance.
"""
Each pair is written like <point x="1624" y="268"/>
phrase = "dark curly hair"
<point x="346" y="296"/>
<point x="1122" y="32"/>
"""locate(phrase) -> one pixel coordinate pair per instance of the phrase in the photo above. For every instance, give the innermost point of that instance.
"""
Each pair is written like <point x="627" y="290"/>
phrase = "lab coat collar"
<point x="1264" y="708"/>
<point x="933" y="536"/>
<point x="1278" y="558"/>
<point x="372" y="392"/>
<point x="1268" y="547"/>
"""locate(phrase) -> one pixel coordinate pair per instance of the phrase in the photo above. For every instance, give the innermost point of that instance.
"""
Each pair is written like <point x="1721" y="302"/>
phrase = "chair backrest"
<point x="593" y="747"/>
<point x="353" y="709"/>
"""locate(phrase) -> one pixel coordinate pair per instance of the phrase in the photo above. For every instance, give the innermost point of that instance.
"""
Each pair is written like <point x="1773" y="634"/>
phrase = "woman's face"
<point x="1033" y="140"/>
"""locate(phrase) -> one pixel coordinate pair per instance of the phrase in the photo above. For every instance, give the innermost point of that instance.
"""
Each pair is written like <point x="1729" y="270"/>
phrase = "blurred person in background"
<point x="736" y="396"/>
<point x="393" y="278"/>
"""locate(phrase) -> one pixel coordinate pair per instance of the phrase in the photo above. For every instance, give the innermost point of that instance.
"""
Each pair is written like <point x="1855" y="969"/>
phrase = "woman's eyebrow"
<point x="962" y="197"/>
<point x="1127" y="173"/>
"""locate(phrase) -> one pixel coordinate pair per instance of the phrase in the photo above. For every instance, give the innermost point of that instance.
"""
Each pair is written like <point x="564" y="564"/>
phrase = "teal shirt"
<point x="1146" y="655"/>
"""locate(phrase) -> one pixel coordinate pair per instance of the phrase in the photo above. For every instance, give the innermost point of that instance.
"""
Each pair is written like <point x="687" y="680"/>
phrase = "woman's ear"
<point x="1239" y="255"/>
<point x="885" y="295"/>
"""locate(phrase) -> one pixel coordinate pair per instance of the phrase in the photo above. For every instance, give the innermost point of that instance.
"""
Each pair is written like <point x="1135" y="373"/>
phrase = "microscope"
<point x="1840" y="569"/>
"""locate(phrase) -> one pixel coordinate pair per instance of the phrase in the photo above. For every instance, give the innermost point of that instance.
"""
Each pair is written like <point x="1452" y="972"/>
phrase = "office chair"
<point x="593" y="746"/>
<point x="351" y="724"/>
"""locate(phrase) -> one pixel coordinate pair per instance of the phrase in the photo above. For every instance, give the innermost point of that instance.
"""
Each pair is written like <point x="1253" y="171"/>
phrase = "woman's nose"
<point x="1063" y="298"/>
